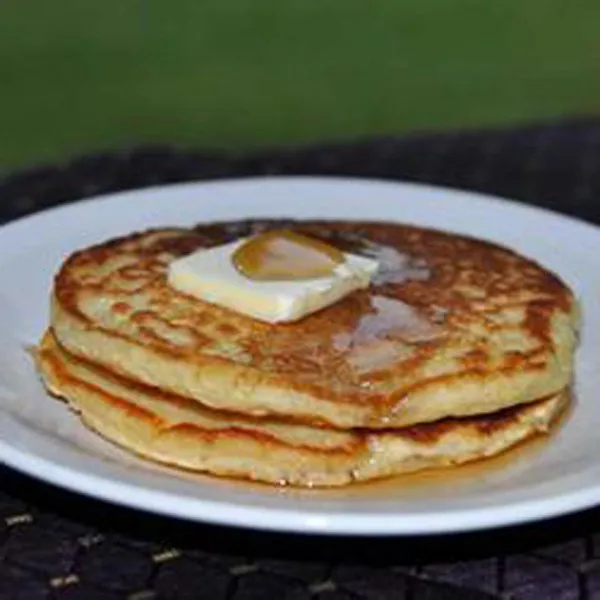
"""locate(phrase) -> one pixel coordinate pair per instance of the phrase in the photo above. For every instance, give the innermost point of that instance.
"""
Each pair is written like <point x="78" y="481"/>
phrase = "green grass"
<point x="83" y="75"/>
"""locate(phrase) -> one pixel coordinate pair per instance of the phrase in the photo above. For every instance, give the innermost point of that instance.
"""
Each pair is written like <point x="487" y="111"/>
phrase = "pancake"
<point x="451" y="327"/>
<point x="181" y="433"/>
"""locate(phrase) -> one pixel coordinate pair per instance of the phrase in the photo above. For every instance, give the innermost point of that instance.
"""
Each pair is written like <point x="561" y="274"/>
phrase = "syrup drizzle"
<point x="388" y="329"/>
<point x="385" y="333"/>
<point x="395" y="266"/>
<point x="285" y="255"/>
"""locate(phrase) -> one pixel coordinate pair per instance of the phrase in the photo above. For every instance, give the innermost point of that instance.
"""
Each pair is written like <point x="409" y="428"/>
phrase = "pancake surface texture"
<point x="180" y="432"/>
<point x="450" y="327"/>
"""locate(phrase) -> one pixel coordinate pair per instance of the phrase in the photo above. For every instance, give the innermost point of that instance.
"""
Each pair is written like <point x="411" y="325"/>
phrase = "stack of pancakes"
<point x="459" y="350"/>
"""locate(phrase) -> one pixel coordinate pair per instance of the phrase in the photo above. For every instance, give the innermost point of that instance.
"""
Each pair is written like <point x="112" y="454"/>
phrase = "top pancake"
<point x="451" y="327"/>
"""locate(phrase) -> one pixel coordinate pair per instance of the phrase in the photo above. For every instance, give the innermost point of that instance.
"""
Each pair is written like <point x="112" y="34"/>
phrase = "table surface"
<point x="57" y="545"/>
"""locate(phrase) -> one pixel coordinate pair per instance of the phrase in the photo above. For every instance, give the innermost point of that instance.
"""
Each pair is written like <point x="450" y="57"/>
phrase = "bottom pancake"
<point x="180" y="433"/>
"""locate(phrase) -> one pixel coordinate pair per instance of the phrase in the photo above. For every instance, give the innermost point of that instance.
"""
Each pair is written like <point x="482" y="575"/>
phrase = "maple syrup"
<point x="281" y="255"/>
<point x="441" y="479"/>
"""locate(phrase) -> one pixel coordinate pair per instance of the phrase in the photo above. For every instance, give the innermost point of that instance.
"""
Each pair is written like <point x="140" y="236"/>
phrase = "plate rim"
<point x="80" y="203"/>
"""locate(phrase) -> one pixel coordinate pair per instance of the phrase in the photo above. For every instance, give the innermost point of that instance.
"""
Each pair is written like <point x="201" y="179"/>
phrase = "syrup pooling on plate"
<point x="282" y="255"/>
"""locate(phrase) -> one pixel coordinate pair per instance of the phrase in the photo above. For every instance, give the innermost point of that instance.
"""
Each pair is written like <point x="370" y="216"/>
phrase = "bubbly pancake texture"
<point x="451" y="326"/>
<point x="181" y="433"/>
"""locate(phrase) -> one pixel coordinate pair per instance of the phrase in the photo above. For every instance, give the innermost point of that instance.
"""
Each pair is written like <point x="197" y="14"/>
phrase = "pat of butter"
<point x="210" y="275"/>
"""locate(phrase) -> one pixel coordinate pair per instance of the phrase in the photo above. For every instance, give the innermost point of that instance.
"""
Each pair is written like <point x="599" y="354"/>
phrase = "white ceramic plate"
<point x="40" y="437"/>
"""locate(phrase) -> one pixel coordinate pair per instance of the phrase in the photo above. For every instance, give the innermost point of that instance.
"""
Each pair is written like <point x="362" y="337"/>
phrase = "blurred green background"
<point x="84" y="75"/>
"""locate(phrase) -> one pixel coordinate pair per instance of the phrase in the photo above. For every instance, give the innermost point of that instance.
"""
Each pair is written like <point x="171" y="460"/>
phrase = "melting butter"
<point x="210" y="275"/>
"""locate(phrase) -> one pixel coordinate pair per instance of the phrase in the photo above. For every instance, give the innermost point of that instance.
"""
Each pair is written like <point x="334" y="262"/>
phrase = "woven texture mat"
<point x="57" y="545"/>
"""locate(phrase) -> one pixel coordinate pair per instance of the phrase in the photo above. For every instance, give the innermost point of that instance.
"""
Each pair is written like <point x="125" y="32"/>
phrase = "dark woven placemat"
<point x="57" y="545"/>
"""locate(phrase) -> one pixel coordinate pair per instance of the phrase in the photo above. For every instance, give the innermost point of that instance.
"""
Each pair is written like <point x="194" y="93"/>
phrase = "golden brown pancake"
<point x="180" y="432"/>
<point x="452" y="326"/>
